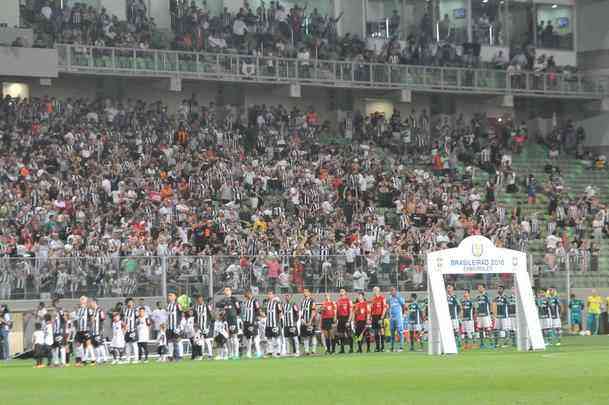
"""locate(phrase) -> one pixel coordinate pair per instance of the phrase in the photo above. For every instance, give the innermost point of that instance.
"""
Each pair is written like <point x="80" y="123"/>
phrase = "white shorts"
<point x="484" y="322"/>
<point x="468" y="327"/>
<point x="415" y="327"/>
<point x="546" y="323"/>
<point x="556" y="323"/>
<point x="455" y="323"/>
<point x="512" y="323"/>
<point x="503" y="324"/>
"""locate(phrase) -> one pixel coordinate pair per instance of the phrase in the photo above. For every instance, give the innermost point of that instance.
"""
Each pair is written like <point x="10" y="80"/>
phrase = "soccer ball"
<point x="585" y="333"/>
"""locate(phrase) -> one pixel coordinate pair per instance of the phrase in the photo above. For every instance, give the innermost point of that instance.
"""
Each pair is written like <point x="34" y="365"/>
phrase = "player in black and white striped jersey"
<point x="129" y="316"/>
<point x="203" y="319"/>
<point x="174" y="317"/>
<point x="273" y="323"/>
<point x="250" y="312"/>
<point x="97" y="316"/>
<point x="308" y="317"/>
<point x="59" y="336"/>
<point x="83" y="336"/>
<point x="290" y="317"/>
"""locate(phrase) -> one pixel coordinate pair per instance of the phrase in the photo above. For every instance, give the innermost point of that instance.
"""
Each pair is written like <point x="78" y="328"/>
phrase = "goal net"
<point x="477" y="255"/>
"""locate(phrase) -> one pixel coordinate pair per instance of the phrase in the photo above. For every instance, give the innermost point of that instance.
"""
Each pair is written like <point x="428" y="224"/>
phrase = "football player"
<point x="250" y="311"/>
<point x="483" y="314"/>
<point x="232" y="309"/>
<point x="290" y="315"/>
<point x="308" y="315"/>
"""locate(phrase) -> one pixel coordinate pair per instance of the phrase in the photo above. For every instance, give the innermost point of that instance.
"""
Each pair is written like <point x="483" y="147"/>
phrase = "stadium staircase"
<point x="576" y="177"/>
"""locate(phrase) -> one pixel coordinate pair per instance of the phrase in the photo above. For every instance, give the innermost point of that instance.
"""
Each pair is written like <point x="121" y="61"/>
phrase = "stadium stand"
<point x="108" y="195"/>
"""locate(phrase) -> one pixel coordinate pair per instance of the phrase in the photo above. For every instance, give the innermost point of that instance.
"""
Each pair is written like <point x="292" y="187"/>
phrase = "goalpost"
<point x="478" y="255"/>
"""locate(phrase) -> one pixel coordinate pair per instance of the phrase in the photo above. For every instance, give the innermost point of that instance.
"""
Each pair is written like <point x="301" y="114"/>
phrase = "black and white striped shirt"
<point x="551" y="227"/>
<point x="173" y="315"/>
<point x="273" y="313"/>
<point x="96" y="322"/>
<point x="307" y="309"/>
<point x="251" y="308"/>
<point x="324" y="251"/>
<point x="560" y="213"/>
<point x="202" y="313"/>
<point x="502" y="215"/>
<point x="290" y="315"/>
<point x="59" y="323"/>
<point x="129" y="317"/>
<point x="82" y="319"/>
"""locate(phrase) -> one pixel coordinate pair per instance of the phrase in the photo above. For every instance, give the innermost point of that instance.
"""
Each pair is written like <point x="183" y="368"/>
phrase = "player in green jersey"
<point x="454" y="309"/>
<point x="467" y="318"/>
<point x="512" y="315"/>
<point x="555" y="315"/>
<point x="415" y="322"/>
<point x="502" y="320"/>
<point x="483" y="314"/>
<point x="543" y="309"/>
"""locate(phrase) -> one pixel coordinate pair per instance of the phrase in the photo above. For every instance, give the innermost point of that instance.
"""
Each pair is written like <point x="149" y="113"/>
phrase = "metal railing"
<point x="353" y="74"/>
<point x="151" y="276"/>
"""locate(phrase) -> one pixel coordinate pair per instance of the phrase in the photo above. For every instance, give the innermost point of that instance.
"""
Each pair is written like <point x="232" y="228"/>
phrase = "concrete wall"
<point x="122" y="88"/>
<point x="597" y="130"/>
<point x="159" y="10"/>
<point x="8" y="35"/>
<point x="353" y="17"/>
<point x="562" y="58"/>
<point x="491" y="107"/>
<point x="323" y="100"/>
<point x="9" y="13"/>
<point x="329" y="102"/>
<point x="118" y="8"/>
<point x="592" y="27"/>
<point x="448" y="7"/>
<point x="389" y="102"/>
<point x="28" y="62"/>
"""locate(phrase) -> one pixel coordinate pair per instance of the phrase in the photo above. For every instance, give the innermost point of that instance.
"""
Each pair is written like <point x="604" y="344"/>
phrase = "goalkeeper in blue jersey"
<point x="576" y="307"/>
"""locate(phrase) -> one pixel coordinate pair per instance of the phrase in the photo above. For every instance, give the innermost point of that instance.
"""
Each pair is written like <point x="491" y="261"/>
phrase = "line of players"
<point x="274" y="326"/>
<point x="482" y="319"/>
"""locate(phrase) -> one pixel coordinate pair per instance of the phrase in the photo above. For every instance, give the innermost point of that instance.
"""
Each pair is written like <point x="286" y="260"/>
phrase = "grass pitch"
<point x="575" y="373"/>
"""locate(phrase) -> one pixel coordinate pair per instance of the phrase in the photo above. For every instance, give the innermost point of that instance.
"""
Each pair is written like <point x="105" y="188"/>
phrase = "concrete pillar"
<point x="353" y="20"/>
<point x="295" y="91"/>
<point x="10" y="13"/>
<point x="507" y="101"/>
<point x="118" y="8"/>
<point x="159" y="10"/>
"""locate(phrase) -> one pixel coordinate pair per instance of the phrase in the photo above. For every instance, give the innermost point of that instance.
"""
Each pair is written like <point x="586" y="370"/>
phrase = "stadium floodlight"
<point x="478" y="255"/>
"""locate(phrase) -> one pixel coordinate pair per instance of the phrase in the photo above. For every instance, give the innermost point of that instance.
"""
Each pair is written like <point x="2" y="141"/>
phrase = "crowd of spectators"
<point x="272" y="30"/>
<point x="79" y="23"/>
<point x="98" y="195"/>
